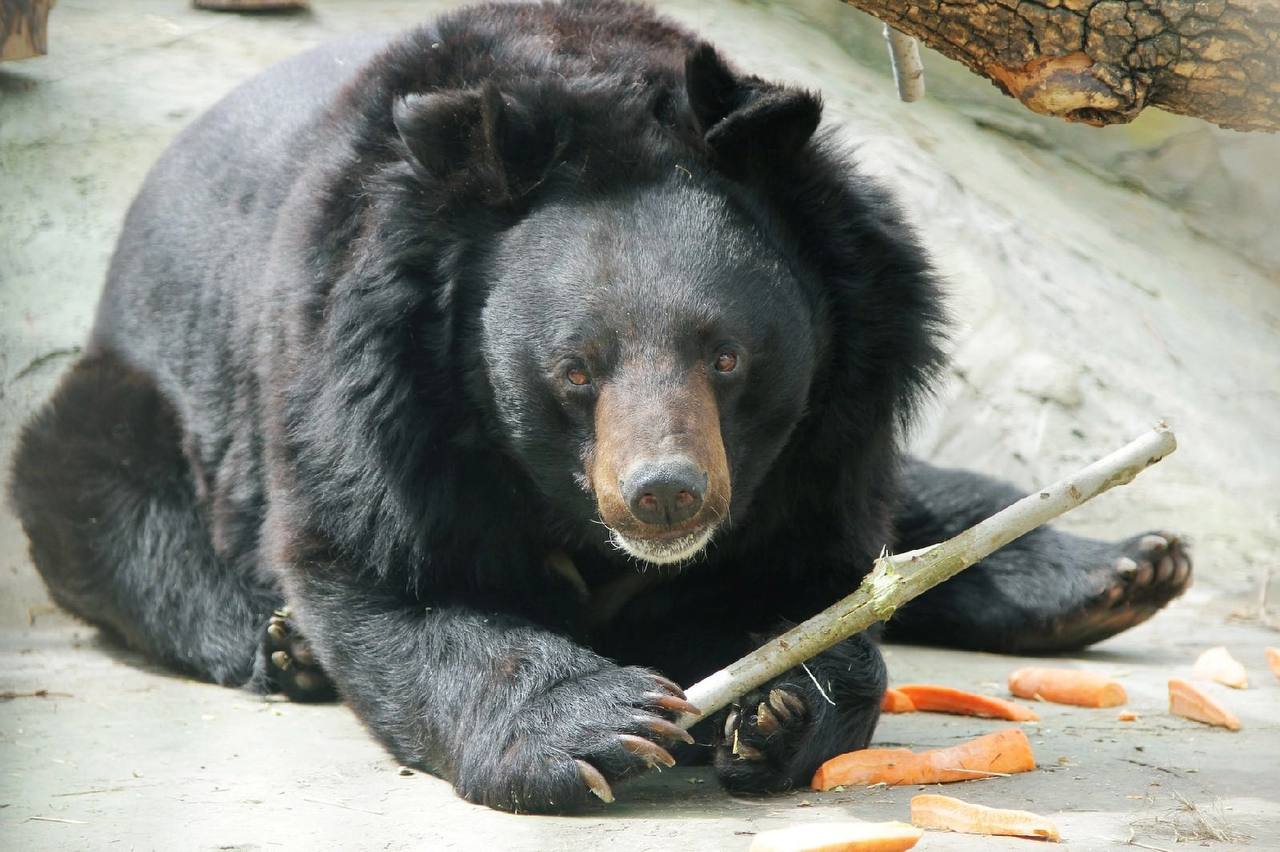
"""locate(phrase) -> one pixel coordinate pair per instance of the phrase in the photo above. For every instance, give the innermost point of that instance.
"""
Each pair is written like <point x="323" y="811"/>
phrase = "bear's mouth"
<point x="664" y="551"/>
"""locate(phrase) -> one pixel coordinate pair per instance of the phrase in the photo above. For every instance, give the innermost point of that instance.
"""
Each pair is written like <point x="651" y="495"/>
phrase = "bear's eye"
<point x="577" y="375"/>
<point x="727" y="361"/>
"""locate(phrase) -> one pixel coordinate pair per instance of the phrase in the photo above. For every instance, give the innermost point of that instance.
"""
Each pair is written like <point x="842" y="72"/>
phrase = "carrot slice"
<point x="998" y="753"/>
<point x="839" y="837"/>
<point x="947" y="814"/>
<point x="1218" y="664"/>
<point x="896" y="701"/>
<point x="1127" y="716"/>
<point x="1273" y="660"/>
<point x="1067" y="686"/>
<point x="1192" y="703"/>
<point x="944" y="699"/>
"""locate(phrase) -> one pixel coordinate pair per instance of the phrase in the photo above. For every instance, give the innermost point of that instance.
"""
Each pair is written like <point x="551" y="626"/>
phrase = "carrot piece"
<point x="1218" y="664"/>
<point x="1190" y="702"/>
<point x="1067" y="686"/>
<point x="930" y="810"/>
<point x="1273" y="660"/>
<point x="1127" y="716"/>
<point x="1001" y="752"/>
<point x="944" y="699"/>
<point x="896" y="701"/>
<point x="838" y="837"/>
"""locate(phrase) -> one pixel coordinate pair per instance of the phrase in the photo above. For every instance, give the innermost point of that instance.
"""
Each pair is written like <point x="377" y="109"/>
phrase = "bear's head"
<point x="651" y="351"/>
<point x="647" y="325"/>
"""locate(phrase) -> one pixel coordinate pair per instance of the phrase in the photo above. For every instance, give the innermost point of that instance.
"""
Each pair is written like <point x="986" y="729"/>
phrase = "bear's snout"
<point x="665" y="491"/>
<point x="658" y="466"/>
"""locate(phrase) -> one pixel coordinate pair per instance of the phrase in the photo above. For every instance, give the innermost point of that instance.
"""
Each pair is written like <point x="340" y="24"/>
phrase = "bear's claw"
<point x="766" y="737"/>
<point x="647" y="750"/>
<point x="663" y="728"/>
<point x="674" y="704"/>
<point x="291" y="664"/>
<point x="670" y="686"/>
<point x="594" y="780"/>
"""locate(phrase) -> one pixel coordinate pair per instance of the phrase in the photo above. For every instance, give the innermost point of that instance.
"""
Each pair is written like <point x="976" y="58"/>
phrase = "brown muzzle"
<point x="658" y="468"/>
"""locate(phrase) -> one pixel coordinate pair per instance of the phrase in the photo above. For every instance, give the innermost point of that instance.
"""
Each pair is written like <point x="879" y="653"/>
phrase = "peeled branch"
<point x="1218" y="664"/>
<point x="999" y="753"/>
<point x="947" y="814"/>
<point x="896" y="579"/>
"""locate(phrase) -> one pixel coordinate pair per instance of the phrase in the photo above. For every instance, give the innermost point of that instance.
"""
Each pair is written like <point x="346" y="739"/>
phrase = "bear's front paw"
<point x="760" y="740"/>
<point x="290" y="664"/>
<point x="575" y="741"/>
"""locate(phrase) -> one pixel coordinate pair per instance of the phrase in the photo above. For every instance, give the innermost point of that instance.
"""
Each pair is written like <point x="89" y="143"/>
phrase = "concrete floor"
<point x="1084" y="310"/>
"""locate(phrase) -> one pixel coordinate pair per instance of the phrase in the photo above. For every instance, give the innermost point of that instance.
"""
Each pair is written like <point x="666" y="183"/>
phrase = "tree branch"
<point x="1102" y="61"/>
<point x="895" y="580"/>
<point x="908" y="70"/>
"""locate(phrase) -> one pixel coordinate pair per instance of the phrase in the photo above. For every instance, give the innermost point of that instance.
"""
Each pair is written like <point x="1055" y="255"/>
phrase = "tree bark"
<point x="1102" y="61"/>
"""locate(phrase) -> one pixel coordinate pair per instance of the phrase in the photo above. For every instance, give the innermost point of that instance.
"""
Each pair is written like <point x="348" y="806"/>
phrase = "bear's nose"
<point x="665" y="491"/>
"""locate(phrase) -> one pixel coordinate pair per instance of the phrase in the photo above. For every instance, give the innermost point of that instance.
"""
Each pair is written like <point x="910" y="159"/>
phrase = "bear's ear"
<point x="478" y="134"/>
<point x="743" y="118"/>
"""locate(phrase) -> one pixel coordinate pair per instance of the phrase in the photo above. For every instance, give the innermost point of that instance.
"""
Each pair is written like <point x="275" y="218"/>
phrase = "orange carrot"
<point x="944" y="699"/>
<point x="1067" y="686"/>
<point x="896" y="701"/>
<point x="1218" y="664"/>
<point x="1273" y="660"/>
<point x="998" y="753"/>
<point x="947" y="814"/>
<point x="1127" y="716"/>
<point x="838" y="837"/>
<point x="1192" y="703"/>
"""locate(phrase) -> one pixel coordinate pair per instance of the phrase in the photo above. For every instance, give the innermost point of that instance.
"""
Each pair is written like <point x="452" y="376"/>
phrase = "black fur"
<point x="324" y="376"/>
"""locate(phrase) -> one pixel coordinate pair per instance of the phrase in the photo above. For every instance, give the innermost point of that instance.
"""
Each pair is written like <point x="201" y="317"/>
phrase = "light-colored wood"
<point x="894" y="580"/>
<point x="908" y="70"/>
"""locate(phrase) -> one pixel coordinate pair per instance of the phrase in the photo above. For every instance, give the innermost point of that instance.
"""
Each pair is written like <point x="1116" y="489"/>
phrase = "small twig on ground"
<point x="39" y="693"/>
<point x="1259" y="612"/>
<point x="908" y="70"/>
<point x="345" y="807"/>
<point x="1264" y="587"/>
<point x="1206" y="823"/>
<point x="895" y="580"/>
<point x="1132" y="842"/>
<point x="57" y="819"/>
<point x="40" y="360"/>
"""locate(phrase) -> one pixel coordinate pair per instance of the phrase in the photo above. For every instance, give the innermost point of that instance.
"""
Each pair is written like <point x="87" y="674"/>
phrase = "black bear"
<point x="414" y="355"/>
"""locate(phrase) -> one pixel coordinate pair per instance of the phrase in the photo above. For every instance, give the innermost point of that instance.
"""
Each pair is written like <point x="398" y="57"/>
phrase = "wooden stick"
<point x="908" y="70"/>
<point x="894" y="580"/>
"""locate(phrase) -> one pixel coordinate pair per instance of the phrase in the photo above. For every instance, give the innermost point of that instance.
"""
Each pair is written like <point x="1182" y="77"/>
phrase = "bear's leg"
<point x="106" y="497"/>
<point x="515" y="716"/>
<point x="1048" y="591"/>
<point x="774" y="738"/>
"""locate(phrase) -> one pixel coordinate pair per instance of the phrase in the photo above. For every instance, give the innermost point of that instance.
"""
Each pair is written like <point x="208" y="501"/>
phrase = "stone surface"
<point x="1085" y="309"/>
